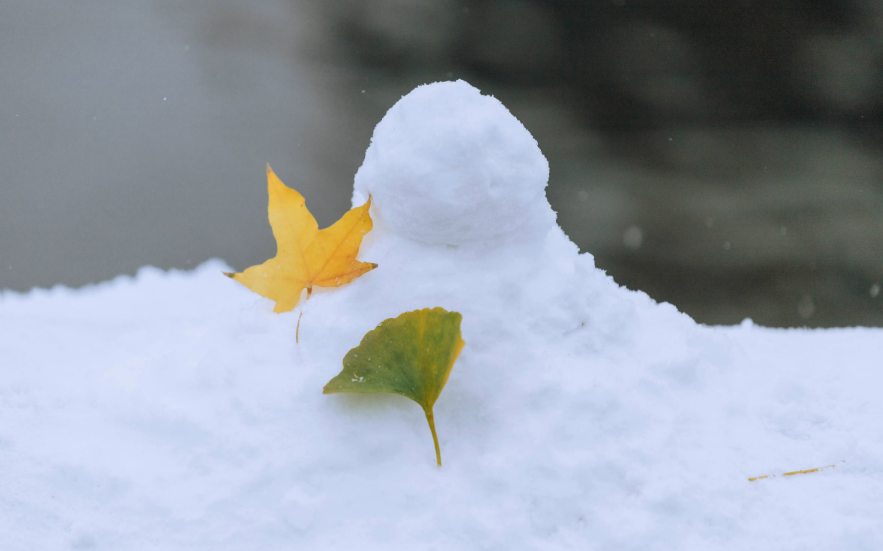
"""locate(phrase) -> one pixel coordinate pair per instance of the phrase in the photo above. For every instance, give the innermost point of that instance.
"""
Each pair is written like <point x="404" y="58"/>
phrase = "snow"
<point x="449" y="165"/>
<point x="175" y="410"/>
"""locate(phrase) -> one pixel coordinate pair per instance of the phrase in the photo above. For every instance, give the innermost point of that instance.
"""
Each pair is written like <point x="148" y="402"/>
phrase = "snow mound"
<point x="449" y="165"/>
<point x="175" y="411"/>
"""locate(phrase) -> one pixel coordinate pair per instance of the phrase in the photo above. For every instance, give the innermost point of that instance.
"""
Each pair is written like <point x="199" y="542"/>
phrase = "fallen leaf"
<point x="306" y="256"/>
<point x="792" y="473"/>
<point x="411" y="355"/>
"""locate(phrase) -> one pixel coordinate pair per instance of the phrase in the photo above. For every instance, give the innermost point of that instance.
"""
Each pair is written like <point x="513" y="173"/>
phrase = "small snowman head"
<point x="448" y="165"/>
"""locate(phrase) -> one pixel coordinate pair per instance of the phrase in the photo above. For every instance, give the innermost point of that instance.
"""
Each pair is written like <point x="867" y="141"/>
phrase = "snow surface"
<point x="449" y="165"/>
<point x="174" y="411"/>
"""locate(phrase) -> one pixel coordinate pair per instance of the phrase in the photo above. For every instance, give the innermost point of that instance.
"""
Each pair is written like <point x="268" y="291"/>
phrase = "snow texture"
<point x="174" y="411"/>
<point x="449" y="165"/>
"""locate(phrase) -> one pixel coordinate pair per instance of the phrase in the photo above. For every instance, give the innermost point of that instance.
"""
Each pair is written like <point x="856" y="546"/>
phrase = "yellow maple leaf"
<point x="306" y="256"/>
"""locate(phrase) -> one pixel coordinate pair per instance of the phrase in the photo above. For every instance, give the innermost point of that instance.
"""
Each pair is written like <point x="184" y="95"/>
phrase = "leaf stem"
<point x="297" y="331"/>
<point x="431" y="421"/>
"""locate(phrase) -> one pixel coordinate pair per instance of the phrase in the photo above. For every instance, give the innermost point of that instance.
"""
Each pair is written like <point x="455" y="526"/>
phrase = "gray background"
<point x="727" y="158"/>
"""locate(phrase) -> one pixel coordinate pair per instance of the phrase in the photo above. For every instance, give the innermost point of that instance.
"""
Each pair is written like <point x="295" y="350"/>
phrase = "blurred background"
<point x="726" y="157"/>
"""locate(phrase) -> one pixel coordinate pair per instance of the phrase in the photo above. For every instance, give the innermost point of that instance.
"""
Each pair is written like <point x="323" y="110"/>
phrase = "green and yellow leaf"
<point x="411" y="355"/>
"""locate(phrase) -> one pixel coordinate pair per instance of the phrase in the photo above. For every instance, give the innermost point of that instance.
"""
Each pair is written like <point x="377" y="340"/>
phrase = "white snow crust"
<point x="449" y="165"/>
<point x="174" y="411"/>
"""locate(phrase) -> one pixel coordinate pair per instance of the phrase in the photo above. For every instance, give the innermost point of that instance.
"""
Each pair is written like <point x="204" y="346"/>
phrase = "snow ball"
<point x="449" y="165"/>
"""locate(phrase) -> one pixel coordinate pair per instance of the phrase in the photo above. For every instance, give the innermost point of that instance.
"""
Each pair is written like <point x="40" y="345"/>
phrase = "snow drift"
<point x="175" y="410"/>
